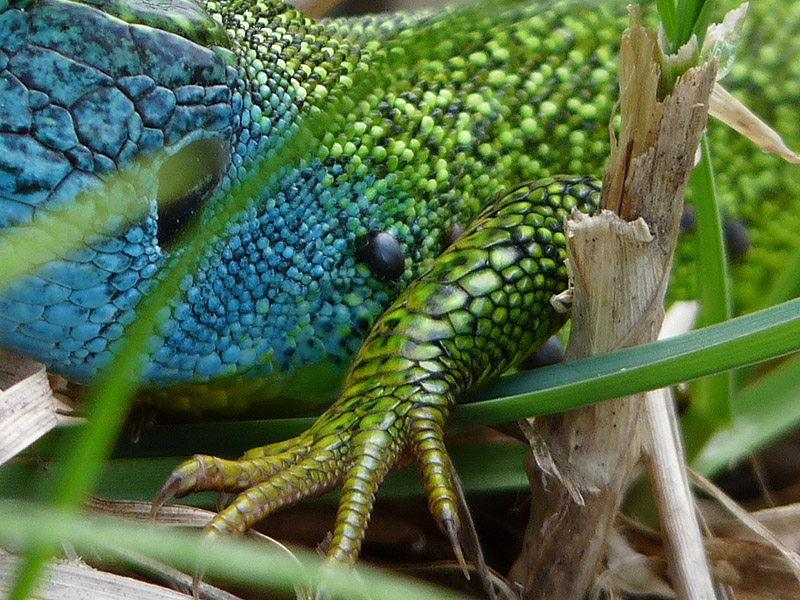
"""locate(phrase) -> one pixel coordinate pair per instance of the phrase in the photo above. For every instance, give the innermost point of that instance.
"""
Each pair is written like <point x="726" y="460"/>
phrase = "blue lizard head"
<point x="90" y="88"/>
<point x="84" y="92"/>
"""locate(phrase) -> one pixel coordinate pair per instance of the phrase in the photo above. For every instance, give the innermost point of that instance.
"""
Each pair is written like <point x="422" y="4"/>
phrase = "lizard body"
<point x="284" y="297"/>
<point x="285" y="290"/>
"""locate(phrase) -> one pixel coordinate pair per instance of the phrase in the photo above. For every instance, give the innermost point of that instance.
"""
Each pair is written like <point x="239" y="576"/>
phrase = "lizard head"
<point x="162" y="106"/>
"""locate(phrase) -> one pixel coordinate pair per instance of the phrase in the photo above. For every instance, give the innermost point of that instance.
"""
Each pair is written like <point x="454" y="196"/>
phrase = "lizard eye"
<point x="185" y="181"/>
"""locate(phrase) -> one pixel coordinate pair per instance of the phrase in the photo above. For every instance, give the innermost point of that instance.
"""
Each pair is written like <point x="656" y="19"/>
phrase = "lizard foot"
<point x="338" y="450"/>
<point x="482" y="306"/>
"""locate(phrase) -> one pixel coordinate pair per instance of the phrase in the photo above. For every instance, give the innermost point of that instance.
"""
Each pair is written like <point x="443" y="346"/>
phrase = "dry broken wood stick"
<point x="620" y="265"/>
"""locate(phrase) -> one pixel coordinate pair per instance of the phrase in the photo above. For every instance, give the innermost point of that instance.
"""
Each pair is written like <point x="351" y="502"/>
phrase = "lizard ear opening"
<point x="383" y="256"/>
<point x="185" y="181"/>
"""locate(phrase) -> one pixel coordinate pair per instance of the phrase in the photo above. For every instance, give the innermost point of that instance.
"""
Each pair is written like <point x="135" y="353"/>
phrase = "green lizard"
<point x="284" y="298"/>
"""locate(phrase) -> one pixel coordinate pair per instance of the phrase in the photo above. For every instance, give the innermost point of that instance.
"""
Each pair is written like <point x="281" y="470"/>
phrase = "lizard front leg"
<point x="482" y="306"/>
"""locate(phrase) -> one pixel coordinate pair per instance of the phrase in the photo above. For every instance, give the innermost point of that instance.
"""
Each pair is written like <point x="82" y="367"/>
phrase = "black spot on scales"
<point x="452" y="234"/>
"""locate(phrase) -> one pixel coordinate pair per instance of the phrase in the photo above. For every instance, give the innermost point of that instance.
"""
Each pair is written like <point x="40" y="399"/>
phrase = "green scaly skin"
<point x="482" y="306"/>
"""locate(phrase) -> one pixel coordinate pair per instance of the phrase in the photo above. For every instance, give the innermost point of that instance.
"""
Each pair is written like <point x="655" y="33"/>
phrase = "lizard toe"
<point x="210" y="473"/>
<point x="317" y="474"/>
<point x="374" y="451"/>
<point x="426" y="442"/>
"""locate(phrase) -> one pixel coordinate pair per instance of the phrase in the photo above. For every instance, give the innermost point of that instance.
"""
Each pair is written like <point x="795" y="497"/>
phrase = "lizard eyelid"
<point x="185" y="182"/>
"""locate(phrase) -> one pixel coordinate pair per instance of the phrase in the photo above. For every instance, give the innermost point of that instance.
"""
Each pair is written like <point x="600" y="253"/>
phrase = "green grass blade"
<point x="714" y="288"/>
<point x="763" y="412"/>
<point x="703" y="20"/>
<point x="691" y="16"/>
<point x="711" y="396"/>
<point x="228" y="559"/>
<point x="742" y="341"/>
<point x="667" y="13"/>
<point x="787" y="283"/>
<point x="481" y="465"/>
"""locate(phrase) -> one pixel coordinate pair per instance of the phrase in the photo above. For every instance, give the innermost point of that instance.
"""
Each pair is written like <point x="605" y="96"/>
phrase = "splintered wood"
<point x="619" y="263"/>
<point x="27" y="407"/>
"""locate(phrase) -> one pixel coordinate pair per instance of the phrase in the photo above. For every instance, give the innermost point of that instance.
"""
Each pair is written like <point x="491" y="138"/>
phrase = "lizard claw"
<point x="179" y="483"/>
<point x="209" y="473"/>
<point x="202" y="472"/>
<point x="455" y="542"/>
<point x="427" y="444"/>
